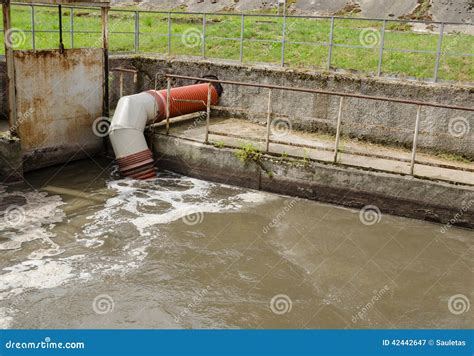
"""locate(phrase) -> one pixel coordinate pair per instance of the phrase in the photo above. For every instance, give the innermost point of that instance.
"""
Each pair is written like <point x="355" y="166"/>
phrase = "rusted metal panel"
<point x="58" y="97"/>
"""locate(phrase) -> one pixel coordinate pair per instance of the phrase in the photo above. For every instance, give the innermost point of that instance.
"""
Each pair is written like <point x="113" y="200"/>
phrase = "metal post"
<point x="71" y="25"/>
<point x="242" y="29"/>
<point x="33" y="37"/>
<point x="331" y="36"/>
<point x="137" y="32"/>
<point x="104" y="13"/>
<point x="169" y="33"/>
<point x="338" y="129"/>
<point x="168" y="106"/>
<point x="204" y="22"/>
<point x="11" y="94"/>
<point x="283" y="40"/>
<point x="415" y="140"/>
<point x="438" y="52"/>
<point x="382" y="44"/>
<point x="269" y="120"/>
<point x="208" y="113"/>
<point x="60" y="14"/>
<point x="121" y="84"/>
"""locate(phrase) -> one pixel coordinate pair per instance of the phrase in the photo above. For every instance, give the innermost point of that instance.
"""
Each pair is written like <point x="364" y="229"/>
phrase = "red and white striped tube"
<point x="134" y="112"/>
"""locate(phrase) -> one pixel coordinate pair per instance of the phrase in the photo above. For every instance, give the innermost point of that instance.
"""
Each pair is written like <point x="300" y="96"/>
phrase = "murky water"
<point x="82" y="249"/>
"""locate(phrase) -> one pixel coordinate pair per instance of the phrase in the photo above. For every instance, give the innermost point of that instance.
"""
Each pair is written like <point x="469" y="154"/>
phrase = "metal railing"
<point x="270" y="115"/>
<point x="283" y="36"/>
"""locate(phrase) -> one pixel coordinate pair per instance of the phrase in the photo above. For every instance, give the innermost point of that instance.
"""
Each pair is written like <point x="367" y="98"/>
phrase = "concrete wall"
<point x="355" y="188"/>
<point x="374" y="121"/>
<point x="11" y="166"/>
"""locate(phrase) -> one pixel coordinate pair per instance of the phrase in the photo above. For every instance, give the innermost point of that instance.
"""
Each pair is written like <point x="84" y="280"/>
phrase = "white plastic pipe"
<point x="128" y="124"/>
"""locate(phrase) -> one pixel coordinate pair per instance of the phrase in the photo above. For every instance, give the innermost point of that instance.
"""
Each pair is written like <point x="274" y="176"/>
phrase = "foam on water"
<point x="136" y="206"/>
<point x="34" y="217"/>
<point x="150" y="203"/>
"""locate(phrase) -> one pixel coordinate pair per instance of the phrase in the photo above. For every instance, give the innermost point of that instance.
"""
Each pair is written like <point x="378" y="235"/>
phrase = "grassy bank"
<point x="187" y="29"/>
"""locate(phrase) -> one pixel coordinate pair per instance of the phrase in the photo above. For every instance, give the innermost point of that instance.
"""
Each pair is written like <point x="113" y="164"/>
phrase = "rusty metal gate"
<point x="55" y="96"/>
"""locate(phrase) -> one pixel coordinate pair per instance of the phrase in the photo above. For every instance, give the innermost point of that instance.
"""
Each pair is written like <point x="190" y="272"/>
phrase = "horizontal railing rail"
<point x="281" y="40"/>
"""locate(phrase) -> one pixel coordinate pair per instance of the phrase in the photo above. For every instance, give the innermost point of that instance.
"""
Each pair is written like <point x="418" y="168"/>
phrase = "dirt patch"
<point x="421" y="12"/>
<point x="350" y="8"/>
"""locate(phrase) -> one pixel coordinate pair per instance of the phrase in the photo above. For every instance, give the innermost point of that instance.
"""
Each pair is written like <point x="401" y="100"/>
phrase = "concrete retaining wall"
<point x="375" y="121"/>
<point x="393" y="194"/>
<point x="11" y="163"/>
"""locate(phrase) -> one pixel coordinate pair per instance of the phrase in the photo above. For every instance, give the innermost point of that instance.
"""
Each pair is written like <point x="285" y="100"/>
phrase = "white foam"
<point x="37" y="274"/>
<point x="143" y="204"/>
<point x="34" y="221"/>
<point x="135" y="198"/>
<point x="6" y="319"/>
<point x="256" y="197"/>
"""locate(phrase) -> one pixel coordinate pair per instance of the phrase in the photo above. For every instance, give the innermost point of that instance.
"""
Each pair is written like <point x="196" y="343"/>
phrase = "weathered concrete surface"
<point x="374" y="121"/>
<point x="386" y="8"/>
<point x="11" y="168"/>
<point x="392" y="194"/>
<point x="453" y="10"/>
<point x="440" y="10"/>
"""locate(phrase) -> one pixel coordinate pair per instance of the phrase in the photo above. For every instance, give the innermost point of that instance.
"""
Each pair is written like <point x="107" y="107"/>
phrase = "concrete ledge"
<point x="393" y="194"/>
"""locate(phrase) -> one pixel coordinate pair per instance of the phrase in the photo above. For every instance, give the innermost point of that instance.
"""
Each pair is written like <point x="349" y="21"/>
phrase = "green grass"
<point x="154" y="29"/>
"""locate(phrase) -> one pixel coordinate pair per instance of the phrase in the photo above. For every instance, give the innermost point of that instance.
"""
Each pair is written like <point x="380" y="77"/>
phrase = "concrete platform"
<point x="227" y="129"/>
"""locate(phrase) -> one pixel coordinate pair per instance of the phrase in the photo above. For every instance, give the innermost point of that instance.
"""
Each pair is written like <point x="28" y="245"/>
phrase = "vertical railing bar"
<point x="331" y="36"/>
<point x="269" y="120"/>
<point x="382" y="44"/>
<point x="137" y="31"/>
<point x="208" y="112"/>
<point x="135" y="81"/>
<point x="168" y="105"/>
<point x="415" y="140"/>
<point x="71" y="25"/>
<point x="121" y="84"/>
<point x="169" y="33"/>
<point x="204" y="23"/>
<point x="438" y="52"/>
<point x="242" y="29"/>
<point x="338" y="129"/>
<point x="33" y="39"/>
<point x="283" y="42"/>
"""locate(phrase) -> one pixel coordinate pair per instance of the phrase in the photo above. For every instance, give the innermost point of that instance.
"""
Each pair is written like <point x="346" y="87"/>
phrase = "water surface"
<point x="85" y="249"/>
